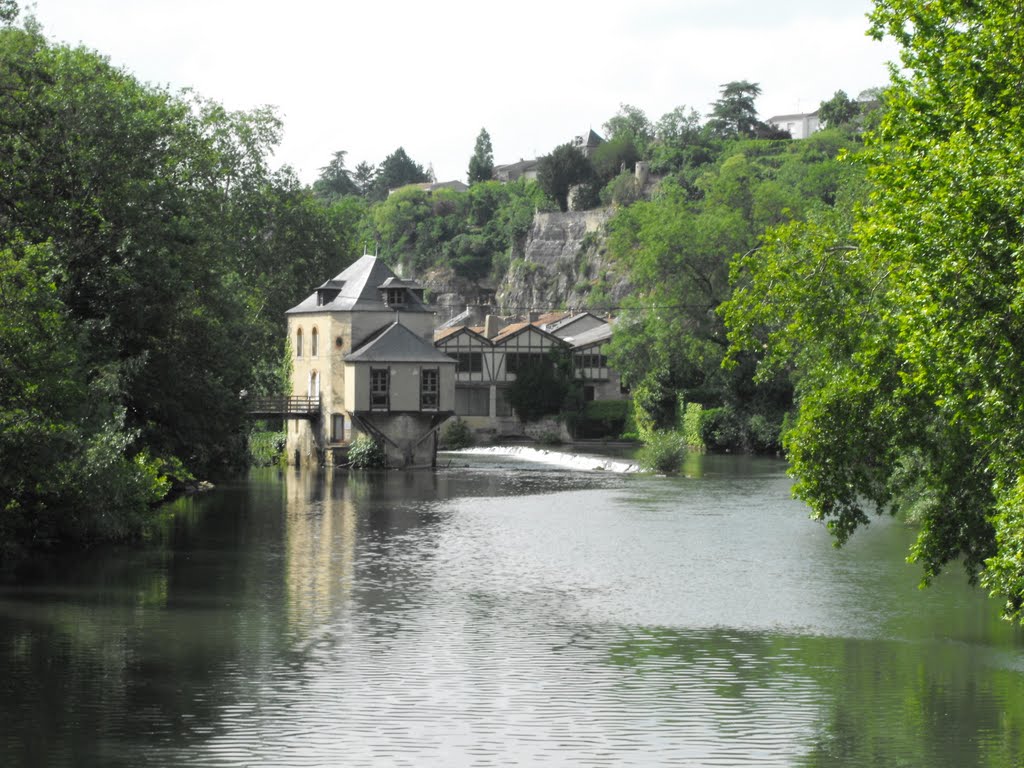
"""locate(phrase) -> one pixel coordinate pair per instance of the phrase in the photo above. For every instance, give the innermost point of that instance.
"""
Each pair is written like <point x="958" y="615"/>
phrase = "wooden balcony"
<point x="283" y="407"/>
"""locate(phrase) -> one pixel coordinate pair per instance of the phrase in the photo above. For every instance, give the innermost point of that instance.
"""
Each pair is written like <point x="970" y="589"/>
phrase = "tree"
<point x="558" y="172"/>
<point x="734" y="114"/>
<point x="542" y="387"/>
<point x="906" y="327"/>
<point x="335" y="179"/>
<point x="8" y="11"/>
<point x="363" y="177"/>
<point x="838" y="111"/>
<point x="481" y="164"/>
<point x="397" y="170"/>
<point x="146" y="233"/>
<point x="630" y="125"/>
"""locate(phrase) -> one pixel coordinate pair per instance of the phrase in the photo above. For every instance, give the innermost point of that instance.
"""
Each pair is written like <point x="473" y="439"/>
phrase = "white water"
<point x="556" y="458"/>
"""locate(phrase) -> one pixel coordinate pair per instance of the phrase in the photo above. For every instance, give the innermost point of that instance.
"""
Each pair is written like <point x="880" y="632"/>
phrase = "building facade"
<point x="361" y="345"/>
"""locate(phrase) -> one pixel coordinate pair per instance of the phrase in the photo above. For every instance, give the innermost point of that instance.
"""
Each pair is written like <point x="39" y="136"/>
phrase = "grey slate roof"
<point x="593" y="336"/>
<point x="397" y="344"/>
<point x="359" y="290"/>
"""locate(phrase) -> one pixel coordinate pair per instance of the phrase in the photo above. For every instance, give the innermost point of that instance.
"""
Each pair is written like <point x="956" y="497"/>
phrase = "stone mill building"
<point x="361" y="346"/>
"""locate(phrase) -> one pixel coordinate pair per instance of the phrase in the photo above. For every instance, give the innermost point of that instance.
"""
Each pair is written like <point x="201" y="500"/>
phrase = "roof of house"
<point x="550" y="317"/>
<point x="359" y="290"/>
<point x="522" y="166"/>
<point x="516" y="328"/>
<point x="598" y="335"/>
<point x="397" y="344"/>
<point x="443" y="334"/>
<point x="568" y="320"/>
<point x="794" y="116"/>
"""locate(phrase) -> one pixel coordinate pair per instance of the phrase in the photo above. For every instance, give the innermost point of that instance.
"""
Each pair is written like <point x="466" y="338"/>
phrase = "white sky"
<point x="373" y="76"/>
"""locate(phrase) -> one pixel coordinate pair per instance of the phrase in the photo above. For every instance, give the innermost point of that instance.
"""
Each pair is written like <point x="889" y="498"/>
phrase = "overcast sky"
<point x="370" y="77"/>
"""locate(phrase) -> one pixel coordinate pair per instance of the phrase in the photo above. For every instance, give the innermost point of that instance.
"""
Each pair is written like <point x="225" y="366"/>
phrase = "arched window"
<point x="314" y="343"/>
<point x="314" y="384"/>
<point x="298" y="343"/>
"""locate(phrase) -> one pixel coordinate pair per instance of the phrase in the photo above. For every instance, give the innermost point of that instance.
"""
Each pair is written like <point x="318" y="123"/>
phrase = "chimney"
<point x="492" y="326"/>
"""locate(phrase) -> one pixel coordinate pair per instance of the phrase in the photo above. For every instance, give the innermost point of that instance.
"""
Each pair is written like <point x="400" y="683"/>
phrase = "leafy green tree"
<point x="150" y="233"/>
<point x="561" y="170"/>
<point x="838" y="111"/>
<point x="481" y="164"/>
<point x="397" y="170"/>
<point x="8" y="11"/>
<point x="335" y="179"/>
<point x="904" y="325"/>
<point x="363" y="177"/>
<point x="630" y="126"/>
<point x="543" y="387"/>
<point x="734" y="115"/>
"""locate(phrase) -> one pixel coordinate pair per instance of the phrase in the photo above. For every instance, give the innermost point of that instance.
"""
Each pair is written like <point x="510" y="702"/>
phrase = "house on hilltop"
<point x="361" y="346"/>
<point x="800" y="125"/>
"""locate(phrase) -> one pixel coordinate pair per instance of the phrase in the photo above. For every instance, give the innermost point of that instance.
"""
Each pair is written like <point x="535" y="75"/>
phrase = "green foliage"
<point x="335" y="180"/>
<point x="544" y="387"/>
<point x="603" y="419"/>
<point x="147" y="242"/>
<point x="839" y="110"/>
<point x="266" y="447"/>
<point x="481" y="164"/>
<point x="902" y="324"/>
<point x="549" y="438"/>
<point x="397" y="170"/>
<point x="663" y="452"/>
<point x="366" y="453"/>
<point x="561" y="170"/>
<point x="456" y="435"/>
<point x="692" y="425"/>
<point x="734" y="115"/>
<point x="628" y="128"/>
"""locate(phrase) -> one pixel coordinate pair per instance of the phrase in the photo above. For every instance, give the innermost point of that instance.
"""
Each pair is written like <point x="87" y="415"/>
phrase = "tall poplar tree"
<point x="481" y="164"/>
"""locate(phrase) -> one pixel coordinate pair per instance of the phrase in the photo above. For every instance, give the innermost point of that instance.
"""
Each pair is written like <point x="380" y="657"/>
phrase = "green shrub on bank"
<point x="456" y="435"/>
<point x="663" y="451"/>
<point x="603" y="418"/>
<point x="692" y="420"/>
<point x="266" y="448"/>
<point x="366" y="453"/>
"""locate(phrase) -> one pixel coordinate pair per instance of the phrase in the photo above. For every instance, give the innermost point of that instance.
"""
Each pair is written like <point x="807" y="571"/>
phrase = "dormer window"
<point x="395" y="297"/>
<point x="326" y="296"/>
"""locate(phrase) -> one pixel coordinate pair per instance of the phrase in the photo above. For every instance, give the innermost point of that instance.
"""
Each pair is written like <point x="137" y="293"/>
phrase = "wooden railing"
<point x="284" y="407"/>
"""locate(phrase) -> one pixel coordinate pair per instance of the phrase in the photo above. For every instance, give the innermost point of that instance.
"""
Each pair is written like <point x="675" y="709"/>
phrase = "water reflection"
<point x="496" y="614"/>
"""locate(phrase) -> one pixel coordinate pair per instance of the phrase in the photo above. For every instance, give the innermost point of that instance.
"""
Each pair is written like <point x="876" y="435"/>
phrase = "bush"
<point x="763" y="435"/>
<point x="265" y="448"/>
<point x="603" y="418"/>
<point x="721" y="430"/>
<point x="549" y="438"/>
<point x="663" y="452"/>
<point x="455" y="435"/>
<point x="365" y="453"/>
<point x="692" y="421"/>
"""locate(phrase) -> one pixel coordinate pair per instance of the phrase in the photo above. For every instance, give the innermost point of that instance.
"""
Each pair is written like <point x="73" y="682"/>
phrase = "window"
<point x="314" y="384"/>
<point x="314" y="343"/>
<point x="516" y="361"/>
<point x="429" y="389"/>
<point x="298" y="343"/>
<point x="472" y="401"/>
<point x="379" y="400"/>
<point x="469" y="362"/>
<point x="396" y="297"/>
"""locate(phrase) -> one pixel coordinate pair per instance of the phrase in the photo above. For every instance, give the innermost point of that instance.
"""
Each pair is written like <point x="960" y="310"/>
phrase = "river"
<point x="502" y="612"/>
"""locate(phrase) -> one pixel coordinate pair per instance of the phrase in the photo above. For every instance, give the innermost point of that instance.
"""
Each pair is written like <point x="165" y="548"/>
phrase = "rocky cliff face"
<point x="563" y="265"/>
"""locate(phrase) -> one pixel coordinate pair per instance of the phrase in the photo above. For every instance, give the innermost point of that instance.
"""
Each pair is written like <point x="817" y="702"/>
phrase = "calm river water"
<point x="504" y="613"/>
